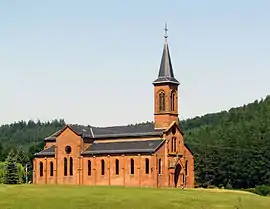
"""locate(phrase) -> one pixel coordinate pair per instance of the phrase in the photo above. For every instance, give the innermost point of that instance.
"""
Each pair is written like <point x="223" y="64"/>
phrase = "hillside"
<point x="232" y="148"/>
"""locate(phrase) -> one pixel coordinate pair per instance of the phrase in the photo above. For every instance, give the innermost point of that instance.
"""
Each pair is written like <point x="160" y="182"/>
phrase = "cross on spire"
<point x="166" y="31"/>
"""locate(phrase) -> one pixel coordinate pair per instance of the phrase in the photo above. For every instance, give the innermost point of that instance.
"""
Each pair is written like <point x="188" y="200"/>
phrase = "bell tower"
<point x="165" y="91"/>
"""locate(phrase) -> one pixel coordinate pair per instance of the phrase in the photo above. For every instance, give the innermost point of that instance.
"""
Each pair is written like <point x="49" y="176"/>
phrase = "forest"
<point x="231" y="148"/>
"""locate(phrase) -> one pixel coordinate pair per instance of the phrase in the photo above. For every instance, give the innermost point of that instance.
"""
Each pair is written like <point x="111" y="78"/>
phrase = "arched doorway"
<point x="176" y="174"/>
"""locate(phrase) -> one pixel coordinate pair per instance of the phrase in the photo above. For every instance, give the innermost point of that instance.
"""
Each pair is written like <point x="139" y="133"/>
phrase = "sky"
<point x="93" y="62"/>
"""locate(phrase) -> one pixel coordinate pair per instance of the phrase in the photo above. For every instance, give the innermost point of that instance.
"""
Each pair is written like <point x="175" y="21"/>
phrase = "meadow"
<point x="82" y="197"/>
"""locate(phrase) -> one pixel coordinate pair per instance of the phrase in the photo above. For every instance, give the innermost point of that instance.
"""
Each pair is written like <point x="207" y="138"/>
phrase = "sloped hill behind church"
<point x="232" y="148"/>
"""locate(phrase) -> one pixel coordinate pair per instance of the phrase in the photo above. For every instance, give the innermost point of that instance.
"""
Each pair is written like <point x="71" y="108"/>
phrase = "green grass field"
<point x="67" y="197"/>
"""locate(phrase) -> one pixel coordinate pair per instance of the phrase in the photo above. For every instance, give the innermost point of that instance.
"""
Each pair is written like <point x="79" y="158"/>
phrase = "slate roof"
<point x="145" y="129"/>
<point x="47" y="152"/>
<point x="165" y="74"/>
<point x="124" y="147"/>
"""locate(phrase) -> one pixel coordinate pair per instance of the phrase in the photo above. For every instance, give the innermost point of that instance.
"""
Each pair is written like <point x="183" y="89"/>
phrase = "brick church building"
<point x="143" y="155"/>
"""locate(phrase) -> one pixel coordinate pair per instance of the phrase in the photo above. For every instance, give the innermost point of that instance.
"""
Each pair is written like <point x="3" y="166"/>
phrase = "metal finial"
<point x="166" y="31"/>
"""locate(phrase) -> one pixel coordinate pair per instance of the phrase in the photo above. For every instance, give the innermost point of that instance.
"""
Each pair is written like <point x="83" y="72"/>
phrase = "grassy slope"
<point x="56" y="197"/>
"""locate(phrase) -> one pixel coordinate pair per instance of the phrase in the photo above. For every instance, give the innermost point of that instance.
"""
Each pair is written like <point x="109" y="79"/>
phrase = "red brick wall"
<point x="68" y="138"/>
<point x="190" y="169"/>
<point x="124" y="178"/>
<point x="46" y="178"/>
<point x="139" y="178"/>
<point x="186" y="155"/>
<point x="164" y="120"/>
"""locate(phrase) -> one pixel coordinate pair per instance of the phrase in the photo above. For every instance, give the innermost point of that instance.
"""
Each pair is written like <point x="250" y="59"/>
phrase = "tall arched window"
<point x="161" y="101"/>
<point x="117" y="167"/>
<point x="89" y="167"/>
<point x="65" y="166"/>
<point x="71" y="166"/>
<point x="186" y="168"/>
<point x="51" y="168"/>
<point x="102" y="167"/>
<point x="147" y="166"/>
<point x="41" y="169"/>
<point x="159" y="166"/>
<point x="172" y="101"/>
<point x="174" y="144"/>
<point x="131" y="166"/>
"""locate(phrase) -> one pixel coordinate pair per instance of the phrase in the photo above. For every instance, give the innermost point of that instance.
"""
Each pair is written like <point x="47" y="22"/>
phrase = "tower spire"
<point x="166" y="74"/>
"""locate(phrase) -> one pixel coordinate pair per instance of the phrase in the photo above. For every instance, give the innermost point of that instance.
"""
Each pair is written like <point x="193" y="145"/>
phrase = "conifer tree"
<point x="11" y="170"/>
<point x="21" y="157"/>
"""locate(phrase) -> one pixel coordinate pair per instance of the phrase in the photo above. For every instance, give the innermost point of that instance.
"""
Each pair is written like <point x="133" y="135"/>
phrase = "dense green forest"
<point x="231" y="148"/>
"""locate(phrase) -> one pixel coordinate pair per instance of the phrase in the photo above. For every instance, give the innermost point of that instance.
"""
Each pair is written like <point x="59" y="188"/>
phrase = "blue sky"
<point x="93" y="62"/>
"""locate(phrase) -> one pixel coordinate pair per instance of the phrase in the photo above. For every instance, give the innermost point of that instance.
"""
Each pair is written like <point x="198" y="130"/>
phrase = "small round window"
<point x="68" y="149"/>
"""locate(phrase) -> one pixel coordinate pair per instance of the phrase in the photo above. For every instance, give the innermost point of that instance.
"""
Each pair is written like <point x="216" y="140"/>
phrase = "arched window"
<point x="146" y="166"/>
<point x="102" y="167"/>
<point x="89" y="168"/>
<point x="186" y="168"/>
<point x="71" y="166"/>
<point x="159" y="166"/>
<point x="41" y="169"/>
<point x="117" y="167"/>
<point x="65" y="166"/>
<point x="131" y="166"/>
<point x="161" y="101"/>
<point x="172" y="101"/>
<point x="174" y="144"/>
<point x="51" y="168"/>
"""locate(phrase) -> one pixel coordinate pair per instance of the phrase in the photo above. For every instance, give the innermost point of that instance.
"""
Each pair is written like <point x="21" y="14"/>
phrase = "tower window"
<point x="102" y="167"/>
<point x="172" y="101"/>
<point x="65" y="166"/>
<point x="41" y="169"/>
<point x="89" y="168"/>
<point x="161" y="101"/>
<point x="146" y="166"/>
<point x="131" y="166"/>
<point x="174" y="144"/>
<point x="117" y="167"/>
<point x="51" y="168"/>
<point x="71" y="166"/>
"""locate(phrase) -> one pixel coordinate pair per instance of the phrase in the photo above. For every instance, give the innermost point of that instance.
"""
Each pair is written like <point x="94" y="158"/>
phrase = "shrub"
<point x="262" y="190"/>
<point x="252" y="190"/>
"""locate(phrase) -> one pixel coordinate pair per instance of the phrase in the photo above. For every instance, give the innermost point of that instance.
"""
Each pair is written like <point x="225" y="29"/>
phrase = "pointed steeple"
<point x="165" y="74"/>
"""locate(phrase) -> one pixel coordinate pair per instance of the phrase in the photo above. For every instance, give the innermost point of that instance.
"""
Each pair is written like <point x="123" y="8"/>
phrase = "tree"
<point x="21" y="157"/>
<point x="11" y="175"/>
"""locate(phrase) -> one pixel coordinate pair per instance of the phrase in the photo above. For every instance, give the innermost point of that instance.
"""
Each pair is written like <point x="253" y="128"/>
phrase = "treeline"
<point x="231" y="148"/>
<point x="19" y="141"/>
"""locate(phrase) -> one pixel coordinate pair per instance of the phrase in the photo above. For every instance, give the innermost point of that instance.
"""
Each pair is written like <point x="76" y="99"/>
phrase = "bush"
<point x="262" y="190"/>
<point x="252" y="190"/>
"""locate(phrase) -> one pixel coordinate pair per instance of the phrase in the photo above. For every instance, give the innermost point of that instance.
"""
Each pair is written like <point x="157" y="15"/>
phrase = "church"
<point x="144" y="155"/>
